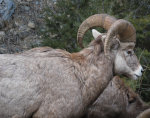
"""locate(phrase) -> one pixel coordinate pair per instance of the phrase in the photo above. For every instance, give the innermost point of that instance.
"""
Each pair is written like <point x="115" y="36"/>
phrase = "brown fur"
<point x="145" y="114"/>
<point x="117" y="101"/>
<point x="53" y="83"/>
<point x="48" y="83"/>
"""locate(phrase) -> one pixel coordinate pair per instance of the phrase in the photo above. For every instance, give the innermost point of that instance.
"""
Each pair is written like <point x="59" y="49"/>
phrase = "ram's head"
<point x="119" y="42"/>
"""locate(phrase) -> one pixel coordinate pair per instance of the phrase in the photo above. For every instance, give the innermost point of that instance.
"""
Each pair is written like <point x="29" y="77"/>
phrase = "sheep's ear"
<point x="95" y="33"/>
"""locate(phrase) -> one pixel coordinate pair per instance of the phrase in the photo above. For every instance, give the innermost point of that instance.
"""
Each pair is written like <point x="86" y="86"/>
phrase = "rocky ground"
<point x="21" y="31"/>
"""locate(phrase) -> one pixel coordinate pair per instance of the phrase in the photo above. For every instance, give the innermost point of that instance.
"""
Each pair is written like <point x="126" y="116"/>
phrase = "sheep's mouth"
<point x="132" y="76"/>
<point x="135" y="76"/>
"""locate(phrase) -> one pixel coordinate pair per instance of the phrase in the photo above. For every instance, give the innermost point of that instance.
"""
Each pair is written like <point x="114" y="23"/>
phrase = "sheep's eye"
<point x="129" y="52"/>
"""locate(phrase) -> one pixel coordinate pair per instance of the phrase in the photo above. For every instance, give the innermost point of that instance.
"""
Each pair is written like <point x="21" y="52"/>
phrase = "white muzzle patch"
<point x="138" y="72"/>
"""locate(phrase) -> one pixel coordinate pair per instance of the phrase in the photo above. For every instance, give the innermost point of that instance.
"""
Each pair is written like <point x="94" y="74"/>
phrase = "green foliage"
<point x="64" y="17"/>
<point x="60" y="32"/>
<point x="143" y="87"/>
<point x="63" y="22"/>
<point x="142" y="26"/>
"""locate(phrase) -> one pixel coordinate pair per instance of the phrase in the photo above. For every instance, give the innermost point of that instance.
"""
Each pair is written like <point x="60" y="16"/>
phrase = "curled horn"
<point x="101" y="20"/>
<point x="124" y="29"/>
<point x="144" y="114"/>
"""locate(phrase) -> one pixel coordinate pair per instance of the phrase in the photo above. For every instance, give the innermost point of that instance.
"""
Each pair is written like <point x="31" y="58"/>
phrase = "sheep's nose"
<point x="139" y="71"/>
<point x="142" y="70"/>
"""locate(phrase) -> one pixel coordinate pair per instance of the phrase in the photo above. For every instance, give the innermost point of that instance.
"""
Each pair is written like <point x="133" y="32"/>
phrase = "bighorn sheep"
<point x="117" y="101"/>
<point x="145" y="114"/>
<point x="53" y="83"/>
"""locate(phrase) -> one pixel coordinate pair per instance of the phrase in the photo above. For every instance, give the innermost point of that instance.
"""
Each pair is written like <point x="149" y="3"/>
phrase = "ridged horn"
<point x="124" y="29"/>
<point x="144" y="114"/>
<point x="101" y="20"/>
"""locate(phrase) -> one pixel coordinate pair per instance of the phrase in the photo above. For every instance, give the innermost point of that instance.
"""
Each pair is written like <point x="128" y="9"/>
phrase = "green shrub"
<point x="142" y="26"/>
<point x="143" y="87"/>
<point x="62" y="24"/>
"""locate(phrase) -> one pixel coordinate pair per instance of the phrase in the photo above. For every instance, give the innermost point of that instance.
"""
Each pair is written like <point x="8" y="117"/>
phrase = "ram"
<point x="145" y="114"/>
<point x="117" y="101"/>
<point x="53" y="83"/>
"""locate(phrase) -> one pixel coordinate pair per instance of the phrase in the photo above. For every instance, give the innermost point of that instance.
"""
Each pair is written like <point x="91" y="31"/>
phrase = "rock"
<point x="2" y="33"/>
<point x="49" y="18"/>
<point x="19" y="1"/>
<point x="7" y="8"/>
<point x="2" y="25"/>
<point x="31" y="25"/>
<point x="27" y="8"/>
<point x="23" y="34"/>
<point x="16" y="23"/>
<point x="36" y="2"/>
<point x="20" y="32"/>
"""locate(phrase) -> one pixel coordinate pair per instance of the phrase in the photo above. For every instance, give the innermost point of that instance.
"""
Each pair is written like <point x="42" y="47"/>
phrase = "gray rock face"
<point x="2" y="33"/>
<point x="7" y="8"/>
<point x="22" y="28"/>
<point x="31" y="25"/>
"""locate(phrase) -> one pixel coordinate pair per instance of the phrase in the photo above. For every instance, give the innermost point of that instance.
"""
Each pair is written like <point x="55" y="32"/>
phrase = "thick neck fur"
<point x="97" y="70"/>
